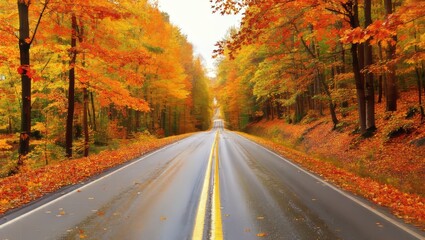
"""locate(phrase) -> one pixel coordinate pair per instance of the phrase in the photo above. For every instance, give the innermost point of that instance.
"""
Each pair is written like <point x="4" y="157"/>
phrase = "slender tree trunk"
<point x="71" y="89"/>
<point x="85" y="122"/>
<point x="423" y="75"/>
<point x="358" y="77"/>
<point x="24" y="50"/>
<point x="368" y="60"/>
<point x="391" y="81"/>
<point x="381" y="76"/>
<point x="344" y="104"/>
<point x="10" y="127"/>
<point x="85" y="101"/>
<point x="359" y="89"/>
<point x="46" y="158"/>
<point x="332" y="105"/>
<point x="265" y="107"/>
<point x="93" y="111"/>
<point x="380" y="80"/>
<point x="419" y="82"/>
<point x="90" y="119"/>
<point x="137" y="123"/>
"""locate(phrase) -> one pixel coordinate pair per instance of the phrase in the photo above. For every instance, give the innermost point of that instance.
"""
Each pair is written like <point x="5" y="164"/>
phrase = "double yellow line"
<point x="216" y="232"/>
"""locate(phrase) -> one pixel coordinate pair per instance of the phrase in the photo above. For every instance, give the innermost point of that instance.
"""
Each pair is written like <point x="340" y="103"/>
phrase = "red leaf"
<point x="20" y="70"/>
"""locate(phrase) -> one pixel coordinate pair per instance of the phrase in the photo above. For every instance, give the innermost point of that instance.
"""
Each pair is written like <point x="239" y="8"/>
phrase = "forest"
<point x="76" y="76"/>
<point x="336" y="86"/>
<point x="297" y="59"/>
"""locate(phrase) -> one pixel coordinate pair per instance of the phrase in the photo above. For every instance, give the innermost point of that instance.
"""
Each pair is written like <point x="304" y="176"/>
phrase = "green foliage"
<point x="153" y="49"/>
<point x="412" y="111"/>
<point x="201" y="98"/>
<point x="341" y="126"/>
<point x="297" y="117"/>
<point x="397" y="125"/>
<point x="44" y="153"/>
<point x="6" y="164"/>
<point x="311" y="116"/>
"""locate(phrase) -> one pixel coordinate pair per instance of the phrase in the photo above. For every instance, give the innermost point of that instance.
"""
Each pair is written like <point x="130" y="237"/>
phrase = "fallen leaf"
<point x="261" y="234"/>
<point x="82" y="234"/>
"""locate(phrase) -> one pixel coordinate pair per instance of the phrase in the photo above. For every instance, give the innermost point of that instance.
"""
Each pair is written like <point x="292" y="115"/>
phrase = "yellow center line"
<point x="198" y="230"/>
<point x="217" y="225"/>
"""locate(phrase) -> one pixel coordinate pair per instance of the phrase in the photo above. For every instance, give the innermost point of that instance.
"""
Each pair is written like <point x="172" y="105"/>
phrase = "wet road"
<point x="213" y="185"/>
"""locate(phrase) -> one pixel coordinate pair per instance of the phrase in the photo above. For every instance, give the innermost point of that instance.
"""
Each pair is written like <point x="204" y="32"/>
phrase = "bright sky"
<point x="202" y="28"/>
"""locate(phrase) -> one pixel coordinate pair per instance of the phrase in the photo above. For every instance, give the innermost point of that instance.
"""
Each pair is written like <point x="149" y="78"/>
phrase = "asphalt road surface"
<point x="212" y="185"/>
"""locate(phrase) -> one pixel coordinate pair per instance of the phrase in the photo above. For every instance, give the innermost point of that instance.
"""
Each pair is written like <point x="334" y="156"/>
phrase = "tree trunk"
<point x="381" y="76"/>
<point x="419" y="82"/>
<point x="359" y="89"/>
<point x="85" y="122"/>
<point x="380" y="79"/>
<point x="332" y="105"/>
<point x="71" y="89"/>
<point x="391" y="81"/>
<point x="368" y="60"/>
<point x="10" y="127"/>
<point x="359" y="80"/>
<point x="85" y="100"/>
<point x="24" y="51"/>
<point x="93" y="111"/>
<point x="423" y="74"/>
<point x="344" y="104"/>
<point x="137" y="123"/>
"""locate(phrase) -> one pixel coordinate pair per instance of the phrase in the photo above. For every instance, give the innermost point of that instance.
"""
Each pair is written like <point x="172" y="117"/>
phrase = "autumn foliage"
<point x="296" y="57"/>
<point x="95" y="71"/>
<point x="341" y="80"/>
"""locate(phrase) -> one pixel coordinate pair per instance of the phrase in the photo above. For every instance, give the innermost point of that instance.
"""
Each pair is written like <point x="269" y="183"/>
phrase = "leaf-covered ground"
<point x="32" y="184"/>
<point x="387" y="168"/>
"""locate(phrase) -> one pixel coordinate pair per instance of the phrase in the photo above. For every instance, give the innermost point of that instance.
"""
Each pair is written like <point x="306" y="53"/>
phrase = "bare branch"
<point x="39" y="20"/>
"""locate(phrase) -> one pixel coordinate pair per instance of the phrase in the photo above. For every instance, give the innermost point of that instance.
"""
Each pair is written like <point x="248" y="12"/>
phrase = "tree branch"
<point x="39" y="20"/>
<point x="303" y="42"/>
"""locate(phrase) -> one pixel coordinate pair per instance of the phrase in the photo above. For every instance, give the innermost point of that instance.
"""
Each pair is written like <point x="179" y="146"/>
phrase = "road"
<point x="212" y="185"/>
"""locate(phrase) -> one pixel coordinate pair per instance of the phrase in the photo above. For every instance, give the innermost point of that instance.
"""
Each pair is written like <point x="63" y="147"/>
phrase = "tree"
<point x="262" y="16"/>
<point x="134" y="70"/>
<point x="368" y="61"/>
<point x="25" y="41"/>
<point x="71" y="87"/>
<point x="391" y="81"/>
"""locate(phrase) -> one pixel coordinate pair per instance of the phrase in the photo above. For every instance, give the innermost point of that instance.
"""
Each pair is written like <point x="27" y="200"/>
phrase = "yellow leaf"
<point x="82" y="234"/>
